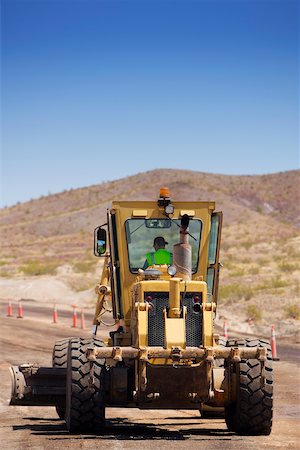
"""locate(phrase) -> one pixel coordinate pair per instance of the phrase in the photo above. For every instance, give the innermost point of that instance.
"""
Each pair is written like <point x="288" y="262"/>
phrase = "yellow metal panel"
<point x="142" y="328"/>
<point x="189" y="212"/>
<point x="207" y="329"/>
<point x="174" y="298"/>
<point x="175" y="333"/>
<point x="139" y="213"/>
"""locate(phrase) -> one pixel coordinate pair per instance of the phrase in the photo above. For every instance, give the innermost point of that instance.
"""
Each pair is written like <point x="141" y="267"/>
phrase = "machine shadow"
<point x="122" y="429"/>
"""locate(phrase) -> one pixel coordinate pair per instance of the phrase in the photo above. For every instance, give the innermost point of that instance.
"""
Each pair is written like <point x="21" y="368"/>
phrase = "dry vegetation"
<point x="260" y="241"/>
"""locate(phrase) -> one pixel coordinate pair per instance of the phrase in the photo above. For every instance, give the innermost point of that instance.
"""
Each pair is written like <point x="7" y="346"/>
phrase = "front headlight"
<point x="172" y="271"/>
<point x="169" y="209"/>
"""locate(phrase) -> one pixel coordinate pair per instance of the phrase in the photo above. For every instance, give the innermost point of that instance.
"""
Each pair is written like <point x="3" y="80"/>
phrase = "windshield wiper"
<point x="143" y="223"/>
<point x="172" y="220"/>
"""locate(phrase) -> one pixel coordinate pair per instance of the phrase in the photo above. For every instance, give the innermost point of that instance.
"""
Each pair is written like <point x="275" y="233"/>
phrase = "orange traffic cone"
<point x="225" y="329"/>
<point x="74" y="317"/>
<point x="54" y="313"/>
<point x="20" y="310"/>
<point x="82" y="320"/>
<point x="9" y="310"/>
<point x="273" y="344"/>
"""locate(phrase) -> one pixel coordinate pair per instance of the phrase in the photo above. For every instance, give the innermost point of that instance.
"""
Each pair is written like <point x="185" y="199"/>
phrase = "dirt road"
<point x="24" y="340"/>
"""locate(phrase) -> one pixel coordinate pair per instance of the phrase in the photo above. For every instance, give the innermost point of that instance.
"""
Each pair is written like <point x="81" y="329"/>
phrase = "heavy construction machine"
<point x="163" y="351"/>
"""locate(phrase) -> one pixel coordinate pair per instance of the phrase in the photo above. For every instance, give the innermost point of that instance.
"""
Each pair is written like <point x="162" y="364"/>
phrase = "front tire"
<point x="251" y="412"/>
<point x="85" y="409"/>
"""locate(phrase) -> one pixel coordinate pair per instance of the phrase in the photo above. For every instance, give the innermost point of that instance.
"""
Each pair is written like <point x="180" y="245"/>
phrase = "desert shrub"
<point x="245" y="260"/>
<point x="292" y="252"/>
<point x="38" y="268"/>
<point x="228" y="264"/>
<point x="254" y="312"/>
<point x="288" y="267"/>
<point x="237" y="272"/>
<point x="84" y="266"/>
<point x="225" y="246"/>
<point x="293" y="311"/>
<point x="254" y="270"/>
<point x="278" y="283"/>
<point x="275" y="283"/>
<point x="230" y="258"/>
<point x="296" y="288"/>
<point x="235" y="292"/>
<point x="83" y="285"/>
<point x="246" y="244"/>
<point x="248" y="293"/>
<point x="263" y="261"/>
<point x="4" y="273"/>
<point x="228" y="290"/>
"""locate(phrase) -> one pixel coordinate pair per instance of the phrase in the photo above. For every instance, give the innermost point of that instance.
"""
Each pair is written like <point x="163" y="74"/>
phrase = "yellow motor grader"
<point x="163" y="351"/>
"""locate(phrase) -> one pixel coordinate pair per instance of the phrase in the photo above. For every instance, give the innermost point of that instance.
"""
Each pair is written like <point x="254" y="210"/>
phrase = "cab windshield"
<point x="140" y="235"/>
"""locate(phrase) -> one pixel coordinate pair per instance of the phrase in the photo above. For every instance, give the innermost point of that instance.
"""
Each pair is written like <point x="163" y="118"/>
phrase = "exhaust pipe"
<point x="182" y="252"/>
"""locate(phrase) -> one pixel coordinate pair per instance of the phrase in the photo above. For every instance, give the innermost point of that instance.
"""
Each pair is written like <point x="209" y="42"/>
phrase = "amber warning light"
<point x="164" y="192"/>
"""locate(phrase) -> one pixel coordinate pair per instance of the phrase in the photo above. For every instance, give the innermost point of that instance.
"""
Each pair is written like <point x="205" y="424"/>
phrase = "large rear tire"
<point x="251" y="413"/>
<point x="59" y="359"/>
<point x="219" y="362"/>
<point x="85" y="409"/>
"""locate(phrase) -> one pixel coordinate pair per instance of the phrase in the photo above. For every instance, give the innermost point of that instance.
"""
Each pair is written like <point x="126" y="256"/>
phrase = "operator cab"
<point x="190" y="231"/>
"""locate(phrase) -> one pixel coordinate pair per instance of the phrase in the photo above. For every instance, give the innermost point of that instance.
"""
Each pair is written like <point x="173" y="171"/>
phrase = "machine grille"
<point x="156" y="331"/>
<point x="193" y="321"/>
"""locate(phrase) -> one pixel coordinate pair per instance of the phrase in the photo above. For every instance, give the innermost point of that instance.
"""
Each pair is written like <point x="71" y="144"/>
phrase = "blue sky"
<point x="98" y="90"/>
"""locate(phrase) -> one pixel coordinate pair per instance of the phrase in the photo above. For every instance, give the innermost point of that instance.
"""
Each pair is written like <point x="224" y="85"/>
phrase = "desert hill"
<point x="62" y="213"/>
<point x="260" y="250"/>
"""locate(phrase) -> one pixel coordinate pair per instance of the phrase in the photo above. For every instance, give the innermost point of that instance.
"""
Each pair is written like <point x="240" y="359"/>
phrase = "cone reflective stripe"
<point x="225" y="329"/>
<point x="74" y="317"/>
<point x="9" y="310"/>
<point x="20" y="310"/>
<point x="54" y="314"/>
<point x="273" y="344"/>
<point x="82" y="320"/>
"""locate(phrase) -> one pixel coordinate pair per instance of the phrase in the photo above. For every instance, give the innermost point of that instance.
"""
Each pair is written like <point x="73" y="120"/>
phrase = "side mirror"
<point x="99" y="241"/>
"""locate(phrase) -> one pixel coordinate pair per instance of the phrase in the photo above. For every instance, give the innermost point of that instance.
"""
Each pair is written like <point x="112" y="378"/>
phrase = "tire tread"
<point x="85" y="402"/>
<point x="59" y="359"/>
<point x="252" y="413"/>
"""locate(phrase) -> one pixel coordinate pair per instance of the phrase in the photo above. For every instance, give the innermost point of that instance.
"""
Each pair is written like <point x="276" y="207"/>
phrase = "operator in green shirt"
<point x="160" y="256"/>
